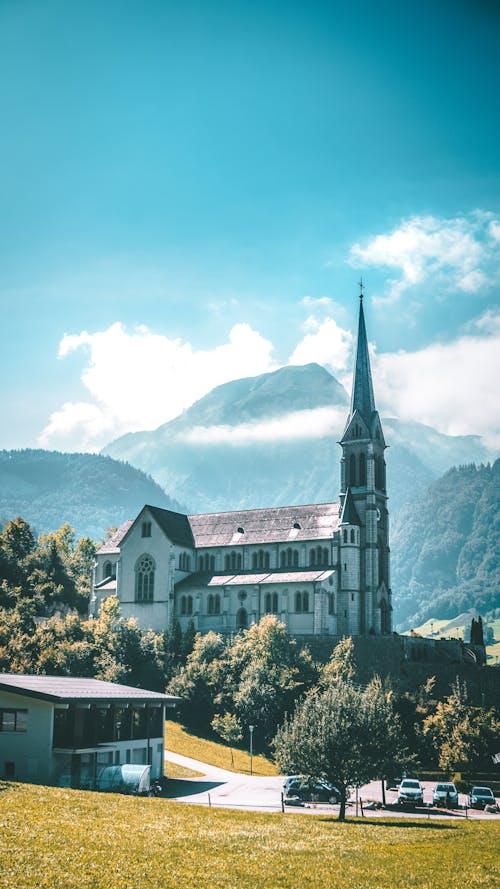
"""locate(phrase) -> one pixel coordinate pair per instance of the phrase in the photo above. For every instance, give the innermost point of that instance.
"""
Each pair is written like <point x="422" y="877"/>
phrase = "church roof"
<point x="253" y="578"/>
<point x="113" y="544"/>
<point x="349" y="512"/>
<point x="363" y="398"/>
<point x="175" y="525"/>
<point x="280" y="524"/>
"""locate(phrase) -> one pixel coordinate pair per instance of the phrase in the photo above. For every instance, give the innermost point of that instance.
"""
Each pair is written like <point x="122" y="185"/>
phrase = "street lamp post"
<point x="251" y="728"/>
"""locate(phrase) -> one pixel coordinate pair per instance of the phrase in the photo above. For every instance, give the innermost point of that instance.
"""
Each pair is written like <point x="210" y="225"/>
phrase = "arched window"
<point x="144" y="579"/>
<point x="344" y="535"/>
<point x="275" y="603"/>
<point x="325" y="555"/>
<point x="183" y="605"/>
<point x="107" y="570"/>
<point x="227" y="563"/>
<point x="305" y="601"/>
<point x="254" y="560"/>
<point x="298" y="602"/>
<point x="352" y="470"/>
<point x="211" y="566"/>
<point x="353" y="536"/>
<point x="210" y="607"/>
<point x="217" y="603"/>
<point x="188" y="563"/>
<point x="189" y="605"/>
<point x="331" y="603"/>
<point x="362" y="469"/>
<point x="241" y="619"/>
<point x="283" y="559"/>
<point x="267" y="603"/>
<point x="312" y="558"/>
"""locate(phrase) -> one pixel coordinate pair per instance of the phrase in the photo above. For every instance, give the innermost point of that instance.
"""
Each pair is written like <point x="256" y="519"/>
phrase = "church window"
<point x="283" y="559"/>
<point x="188" y="563"/>
<point x="297" y="526"/>
<point x="353" y="536"/>
<point x="241" y="619"/>
<point x="210" y="608"/>
<point x="298" y="602"/>
<point x="212" y="563"/>
<point x="254" y="560"/>
<point x="305" y="601"/>
<point x="267" y="603"/>
<point x="107" y="570"/>
<point x="227" y="563"/>
<point x="146" y="529"/>
<point x="325" y="555"/>
<point x="352" y="597"/>
<point x="362" y="469"/>
<point x="183" y="604"/>
<point x="345" y="535"/>
<point x="217" y="603"/>
<point x="331" y="603"/>
<point x="260" y="559"/>
<point x="345" y="566"/>
<point x="312" y="558"/>
<point x="144" y="579"/>
<point x="275" y="603"/>
<point x="352" y="470"/>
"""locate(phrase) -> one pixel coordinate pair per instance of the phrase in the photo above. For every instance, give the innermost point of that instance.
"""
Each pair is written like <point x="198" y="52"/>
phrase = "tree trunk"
<point x="343" y="800"/>
<point x="383" y="792"/>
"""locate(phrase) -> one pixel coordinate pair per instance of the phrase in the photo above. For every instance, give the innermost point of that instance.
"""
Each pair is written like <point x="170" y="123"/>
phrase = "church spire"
<point x="362" y="388"/>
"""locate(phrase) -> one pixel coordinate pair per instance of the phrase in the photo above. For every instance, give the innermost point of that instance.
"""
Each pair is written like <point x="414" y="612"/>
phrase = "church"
<point x="322" y="569"/>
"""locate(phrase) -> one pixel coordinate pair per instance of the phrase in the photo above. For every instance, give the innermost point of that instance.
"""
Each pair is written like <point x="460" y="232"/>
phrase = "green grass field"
<point x="456" y="630"/>
<point x="52" y="838"/>
<point x="179" y="740"/>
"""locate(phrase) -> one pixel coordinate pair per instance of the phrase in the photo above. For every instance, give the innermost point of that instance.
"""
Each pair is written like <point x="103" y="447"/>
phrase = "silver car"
<point x="410" y="792"/>
<point x="445" y="795"/>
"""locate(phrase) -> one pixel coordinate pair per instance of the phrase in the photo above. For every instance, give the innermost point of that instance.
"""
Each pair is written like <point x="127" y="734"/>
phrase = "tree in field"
<point x="340" y="735"/>
<point x="341" y="665"/>
<point x="228" y="727"/>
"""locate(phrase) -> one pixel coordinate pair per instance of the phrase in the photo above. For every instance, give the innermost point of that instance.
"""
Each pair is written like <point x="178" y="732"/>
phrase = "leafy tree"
<point x="228" y="727"/>
<point x="339" y="735"/>
<point x="341" y="665"/>
<point x="463" y="735"/>
<point x="201" y="680"/>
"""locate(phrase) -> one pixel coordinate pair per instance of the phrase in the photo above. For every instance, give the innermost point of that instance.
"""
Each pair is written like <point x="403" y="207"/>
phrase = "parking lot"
<point x="219" y="787"/>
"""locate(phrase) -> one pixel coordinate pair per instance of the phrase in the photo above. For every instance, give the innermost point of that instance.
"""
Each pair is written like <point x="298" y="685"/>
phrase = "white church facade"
<point x="322" y="569"/>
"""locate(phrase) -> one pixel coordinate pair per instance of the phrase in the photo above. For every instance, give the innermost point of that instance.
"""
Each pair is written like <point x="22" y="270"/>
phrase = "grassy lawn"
<point x="52" y="837"/>
<point x="173" y="770"/>
<point x="179" y="740"/>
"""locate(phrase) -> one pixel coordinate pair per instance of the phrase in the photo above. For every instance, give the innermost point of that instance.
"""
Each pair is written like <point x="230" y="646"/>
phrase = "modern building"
<point x="64" y="731"/>
<point x="323" y="569"/>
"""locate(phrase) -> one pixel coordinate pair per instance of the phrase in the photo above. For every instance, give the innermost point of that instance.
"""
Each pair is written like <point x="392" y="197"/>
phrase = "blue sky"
<point x="190" y="191"/>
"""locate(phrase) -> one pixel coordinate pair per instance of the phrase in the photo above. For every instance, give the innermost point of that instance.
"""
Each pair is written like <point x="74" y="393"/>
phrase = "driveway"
<point x="233" y="790"/>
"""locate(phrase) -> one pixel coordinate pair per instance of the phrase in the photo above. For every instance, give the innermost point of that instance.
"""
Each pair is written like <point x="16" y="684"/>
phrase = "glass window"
<point x="146" y="529"/>
<point x="145" y="578"/>
<point x="13" y="720"/>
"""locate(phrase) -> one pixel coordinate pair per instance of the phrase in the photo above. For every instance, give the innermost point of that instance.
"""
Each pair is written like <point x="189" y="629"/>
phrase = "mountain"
<point x="248" y="443"/>
<point x="445" y="547"/>
<point x="89" y="491"/>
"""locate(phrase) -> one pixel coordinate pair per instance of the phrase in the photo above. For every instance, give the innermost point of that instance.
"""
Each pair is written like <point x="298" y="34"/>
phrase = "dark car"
<point x="479" y="797"/>
<point x="317" y="791"/>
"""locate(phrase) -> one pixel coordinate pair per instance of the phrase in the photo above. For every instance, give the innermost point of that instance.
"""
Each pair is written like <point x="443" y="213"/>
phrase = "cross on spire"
<point x="361" y="287"/>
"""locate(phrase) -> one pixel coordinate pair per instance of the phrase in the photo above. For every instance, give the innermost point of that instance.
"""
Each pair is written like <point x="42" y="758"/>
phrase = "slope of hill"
<point x="248" y="443"/>
<point x="89" y="491"/>
<point x="446" y="547"/>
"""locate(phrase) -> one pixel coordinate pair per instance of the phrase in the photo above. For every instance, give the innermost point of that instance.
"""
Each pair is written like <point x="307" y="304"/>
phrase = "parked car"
<point x="318" y="791"/>
<point x="445" y="795"/>
<point x="290" y="779"/>
<point x="479" y="797"/>
<point x="410" y="792"/>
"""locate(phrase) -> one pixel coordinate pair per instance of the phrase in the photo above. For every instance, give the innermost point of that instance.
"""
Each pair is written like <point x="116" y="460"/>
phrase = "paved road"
<point x="219" y="787"/>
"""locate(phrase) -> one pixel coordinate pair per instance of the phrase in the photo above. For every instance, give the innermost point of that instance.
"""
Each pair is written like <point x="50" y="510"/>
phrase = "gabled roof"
<point x="349" y="512"/>
<point x="71" y="689"/>
<point x="175" y="525"/>
<point x="281" y="524"/>
<point x="113" y="544"/>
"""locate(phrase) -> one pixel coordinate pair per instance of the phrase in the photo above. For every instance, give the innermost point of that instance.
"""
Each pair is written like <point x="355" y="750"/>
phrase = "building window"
<point x="217" y="603"/>
<point x="241" y="619"/>
<point x="144" y="579"/>
<point x="210" y="607"/>
<point x="186" y="605"/>
<point x="233" y="561"/>
<point x="271" y="603"/>
<point x="13" y="720"/>
<point x="146" y="529"/>
<point x="301" y="602"/>
<point x="352" y="470"/>
<point x="362" y="469"/>
<point x="331" y="603"/>
<point x="345" y="535"/>
<point x="108" y="570"/>
<point x="319" y="556"/>
<point x="353" y="536"/>
<point x="289" y="558"/>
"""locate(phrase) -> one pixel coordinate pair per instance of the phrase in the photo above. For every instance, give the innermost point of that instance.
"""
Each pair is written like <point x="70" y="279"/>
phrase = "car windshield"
<point x="413" y="785"/>
<point x="482" y="791"/>
<point x="446" y="788"/>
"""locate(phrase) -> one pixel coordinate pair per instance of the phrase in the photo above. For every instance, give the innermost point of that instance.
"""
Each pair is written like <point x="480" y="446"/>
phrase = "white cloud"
<point x="325" y="343"/>
<point x="139" y="380"/>
<point x="451" y="386"/>
<point x="295" y="425"/>
<point x="457" y="251"/>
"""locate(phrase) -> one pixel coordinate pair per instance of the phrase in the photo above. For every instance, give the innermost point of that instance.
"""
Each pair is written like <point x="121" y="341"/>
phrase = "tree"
<point x="339" y="735"/>
<point x="228" y="727"/>
<point x="463" y="735"/>
<point x="341" y="665"/>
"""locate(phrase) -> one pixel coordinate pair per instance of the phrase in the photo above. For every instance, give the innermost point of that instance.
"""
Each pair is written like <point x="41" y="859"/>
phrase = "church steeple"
<point x="362" y="399"/>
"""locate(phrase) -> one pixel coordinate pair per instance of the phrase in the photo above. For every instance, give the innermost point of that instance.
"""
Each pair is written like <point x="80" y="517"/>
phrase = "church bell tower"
<point x="364" y="578"/>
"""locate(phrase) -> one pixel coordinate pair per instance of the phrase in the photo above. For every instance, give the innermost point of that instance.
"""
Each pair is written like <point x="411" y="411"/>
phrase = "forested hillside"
<point x="445" y="547"/>
<point x="90" y="492"/>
